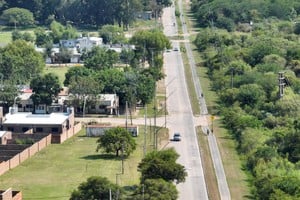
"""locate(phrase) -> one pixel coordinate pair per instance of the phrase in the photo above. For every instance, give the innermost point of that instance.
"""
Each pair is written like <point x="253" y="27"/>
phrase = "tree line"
<point x="92" y="13"/>
<point x="244" y="66"/>
<point x="231" y="14"/>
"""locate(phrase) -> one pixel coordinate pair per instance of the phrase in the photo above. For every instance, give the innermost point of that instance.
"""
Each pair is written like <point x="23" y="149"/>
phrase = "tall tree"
<point x="162" y="164"/>
<point x="157" y="189"/>
<point x="20" y="62"/>
<point x="96" y="188"/>
<point x="45" y="89"/>
<point x="117" y="140"/>
<point x="100" y="58"/>
<point x="18" y="16"/>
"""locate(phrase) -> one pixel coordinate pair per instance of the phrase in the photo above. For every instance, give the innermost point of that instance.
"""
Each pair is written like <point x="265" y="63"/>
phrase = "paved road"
<point x="181" y="118"/>
<point x="215" y="154"/>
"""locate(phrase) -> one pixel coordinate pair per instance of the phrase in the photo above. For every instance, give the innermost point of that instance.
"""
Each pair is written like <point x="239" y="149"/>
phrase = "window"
<point x="54" y="130"/>
<point x="41" y="107"/>
<point x="102" y="106"/>
<point x="24" y="129"/>
<point x="39" y="129"/>
<point x="10" y="129"/>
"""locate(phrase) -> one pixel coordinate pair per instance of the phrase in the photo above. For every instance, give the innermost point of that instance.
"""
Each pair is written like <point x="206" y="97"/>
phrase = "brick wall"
<point x="25" y="154"/>
<point x="6" y="195"/>
<point x="17" y="195"/>
<point x="4" y="167"/>
<point x="66" y="134"/>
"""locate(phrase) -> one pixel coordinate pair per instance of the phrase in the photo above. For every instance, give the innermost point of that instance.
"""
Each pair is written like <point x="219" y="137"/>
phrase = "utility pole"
<point x="145" y="134"/>
<point x="281" y="83"/>
<point x="122" y="157"/>
<point x="126" y="122"/>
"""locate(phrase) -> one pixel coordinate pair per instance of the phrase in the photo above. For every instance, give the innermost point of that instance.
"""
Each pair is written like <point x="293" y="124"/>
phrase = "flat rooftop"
<point x="38" y="119"/>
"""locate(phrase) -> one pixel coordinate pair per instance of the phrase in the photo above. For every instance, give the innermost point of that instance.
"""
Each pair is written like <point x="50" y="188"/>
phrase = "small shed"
<point x="96" y="130"/>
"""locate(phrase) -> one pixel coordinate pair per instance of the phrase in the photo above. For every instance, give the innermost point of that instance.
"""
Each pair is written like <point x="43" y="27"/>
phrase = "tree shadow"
<point x="101" y="156"/>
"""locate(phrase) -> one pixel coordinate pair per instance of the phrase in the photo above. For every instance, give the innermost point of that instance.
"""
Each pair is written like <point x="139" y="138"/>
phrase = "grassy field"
<point x="57" y="170"/>
<point x="59" y="71"/>
<point x="5" y="37"/>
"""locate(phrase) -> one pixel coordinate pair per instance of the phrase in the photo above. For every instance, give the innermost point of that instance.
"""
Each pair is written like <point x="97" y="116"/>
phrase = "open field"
<point x="60" y="71"/>
<point x="57" y="170"/>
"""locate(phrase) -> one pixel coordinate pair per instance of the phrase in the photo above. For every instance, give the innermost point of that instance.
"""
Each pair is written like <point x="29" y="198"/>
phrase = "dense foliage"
<point x="155" y="189"/>
<point x="19" y="62"/>
<point x="45" y="88"/>
<point x="93" y="13"/>
<point x="116" y="140"/>
<point x="97" y="188"/>
<point x="162" y="164"/>
<point x="231" y="14"/>
<point x="244" y="66"/>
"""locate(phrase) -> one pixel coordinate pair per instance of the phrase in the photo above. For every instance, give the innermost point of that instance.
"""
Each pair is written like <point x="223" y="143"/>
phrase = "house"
<point x="87" y="43"/>
<point x="103" y="104"/>
<point x="55" y="123"/>
<point x="25" y="103"/>
<point x="119" y="47"/>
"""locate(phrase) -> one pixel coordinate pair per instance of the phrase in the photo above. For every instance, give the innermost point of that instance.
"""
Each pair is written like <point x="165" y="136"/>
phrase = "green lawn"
<point x="57" y="170"/>
<point x="59" y="71"/>
<point x="5" y="37"/>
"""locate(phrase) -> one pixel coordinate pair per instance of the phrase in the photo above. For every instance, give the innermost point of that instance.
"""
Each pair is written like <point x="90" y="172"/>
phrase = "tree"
<point x="96" y="188"/>
<point x="60" y="32"/>
<point x="112" y="34"/>
<point x="83" y="89"/>
<point x="162" y="164"/>
<point x="17" y="35"/>
<point x="20" y="16"/>
<point x="113" y="80"/>
<point x="145" y="88"/>
<point x="251" y="95"/>
<point x="45" y="89"/>
<point x="42" y="38"/>
<point x="9" y="91"/>
<point x="100" y="58"/>
<point x="76" y="72"/>
<point x="155" y="189"/>
<point x="19" y="61"/>
<point x="150" y="44"/>
<point x="116" y="140"/>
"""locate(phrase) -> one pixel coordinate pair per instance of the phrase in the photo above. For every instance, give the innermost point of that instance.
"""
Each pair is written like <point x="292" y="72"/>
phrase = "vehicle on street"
<point x="176" y="137"/>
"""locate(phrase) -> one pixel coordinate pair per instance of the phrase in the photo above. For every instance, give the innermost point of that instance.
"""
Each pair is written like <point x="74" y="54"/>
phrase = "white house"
<point x="88" y="43"/>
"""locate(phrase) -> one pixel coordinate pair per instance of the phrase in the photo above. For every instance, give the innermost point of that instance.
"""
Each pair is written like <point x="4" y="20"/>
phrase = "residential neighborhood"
<point x="149" y="100"/>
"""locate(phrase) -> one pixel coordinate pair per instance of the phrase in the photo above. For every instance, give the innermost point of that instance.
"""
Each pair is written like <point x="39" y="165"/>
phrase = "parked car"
<point x="176" y="137"/>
